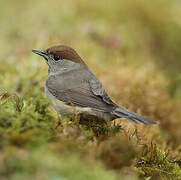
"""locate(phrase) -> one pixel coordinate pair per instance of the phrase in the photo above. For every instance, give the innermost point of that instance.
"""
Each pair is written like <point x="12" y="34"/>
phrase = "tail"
<point x="133" y="117"/>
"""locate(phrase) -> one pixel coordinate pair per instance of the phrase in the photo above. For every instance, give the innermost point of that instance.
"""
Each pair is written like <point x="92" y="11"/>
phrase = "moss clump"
<point x="134" y="49"/>
<point x="21" y="119"/>
<point x="155" y="163"/>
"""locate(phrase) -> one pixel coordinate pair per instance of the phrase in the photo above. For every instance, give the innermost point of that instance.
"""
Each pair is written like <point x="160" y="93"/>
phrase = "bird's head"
<point x="58" y="57"/>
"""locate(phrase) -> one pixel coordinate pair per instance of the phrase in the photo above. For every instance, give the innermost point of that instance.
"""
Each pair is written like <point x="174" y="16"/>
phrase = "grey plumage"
<point x="71" y="83"/>
<point x="81" y="89"/>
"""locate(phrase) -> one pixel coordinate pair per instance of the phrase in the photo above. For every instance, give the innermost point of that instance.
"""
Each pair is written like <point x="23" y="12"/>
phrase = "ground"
<point x="134" y="49"/>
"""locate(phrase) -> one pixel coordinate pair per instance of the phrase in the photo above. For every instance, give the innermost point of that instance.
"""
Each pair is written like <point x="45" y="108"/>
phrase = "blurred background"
<point x="134" y="47"/>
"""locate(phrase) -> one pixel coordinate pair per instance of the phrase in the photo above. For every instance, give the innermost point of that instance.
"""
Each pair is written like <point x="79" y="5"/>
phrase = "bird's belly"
<point x="71" y="110"/>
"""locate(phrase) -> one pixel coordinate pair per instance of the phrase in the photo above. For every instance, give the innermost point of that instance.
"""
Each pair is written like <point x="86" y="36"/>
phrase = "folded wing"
<point x="80" y="89"/>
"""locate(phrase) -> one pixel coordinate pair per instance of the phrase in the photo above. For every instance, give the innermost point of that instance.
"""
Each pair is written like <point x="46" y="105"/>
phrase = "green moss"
<point x="133" y="47"/>
<point x="155" y="163"/>
<point x="43" y="164"/>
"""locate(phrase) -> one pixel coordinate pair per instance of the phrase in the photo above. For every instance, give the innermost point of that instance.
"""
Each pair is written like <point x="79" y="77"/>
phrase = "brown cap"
<point x="65" y="52"/>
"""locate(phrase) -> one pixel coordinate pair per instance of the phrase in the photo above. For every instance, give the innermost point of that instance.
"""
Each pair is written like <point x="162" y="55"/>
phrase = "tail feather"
<point x="133" y="117"/>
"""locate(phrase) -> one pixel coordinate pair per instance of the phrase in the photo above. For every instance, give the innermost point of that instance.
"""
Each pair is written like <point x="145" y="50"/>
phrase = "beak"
<point x="41" y="53"/>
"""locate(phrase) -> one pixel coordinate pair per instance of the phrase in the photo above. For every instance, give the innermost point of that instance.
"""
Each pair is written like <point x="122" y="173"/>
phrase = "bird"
<point x="73" y="88"/>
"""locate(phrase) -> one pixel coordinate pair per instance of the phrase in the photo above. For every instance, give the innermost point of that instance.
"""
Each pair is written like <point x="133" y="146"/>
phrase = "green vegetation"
<point x="133" y="47"/>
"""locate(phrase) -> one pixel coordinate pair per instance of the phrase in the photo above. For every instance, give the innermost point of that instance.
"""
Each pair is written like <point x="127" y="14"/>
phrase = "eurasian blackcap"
<point x="73" y="88"/>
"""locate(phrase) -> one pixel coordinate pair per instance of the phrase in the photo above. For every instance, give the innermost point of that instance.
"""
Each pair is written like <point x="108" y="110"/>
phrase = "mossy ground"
<point x="133" y="47"/>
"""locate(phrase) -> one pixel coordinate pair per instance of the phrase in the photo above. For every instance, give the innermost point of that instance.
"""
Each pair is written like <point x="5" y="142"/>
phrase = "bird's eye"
<point x="56" y="58"/>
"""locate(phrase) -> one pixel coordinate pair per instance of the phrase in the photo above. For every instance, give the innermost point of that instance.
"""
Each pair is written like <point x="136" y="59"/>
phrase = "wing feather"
<point x="80" y="89"/>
